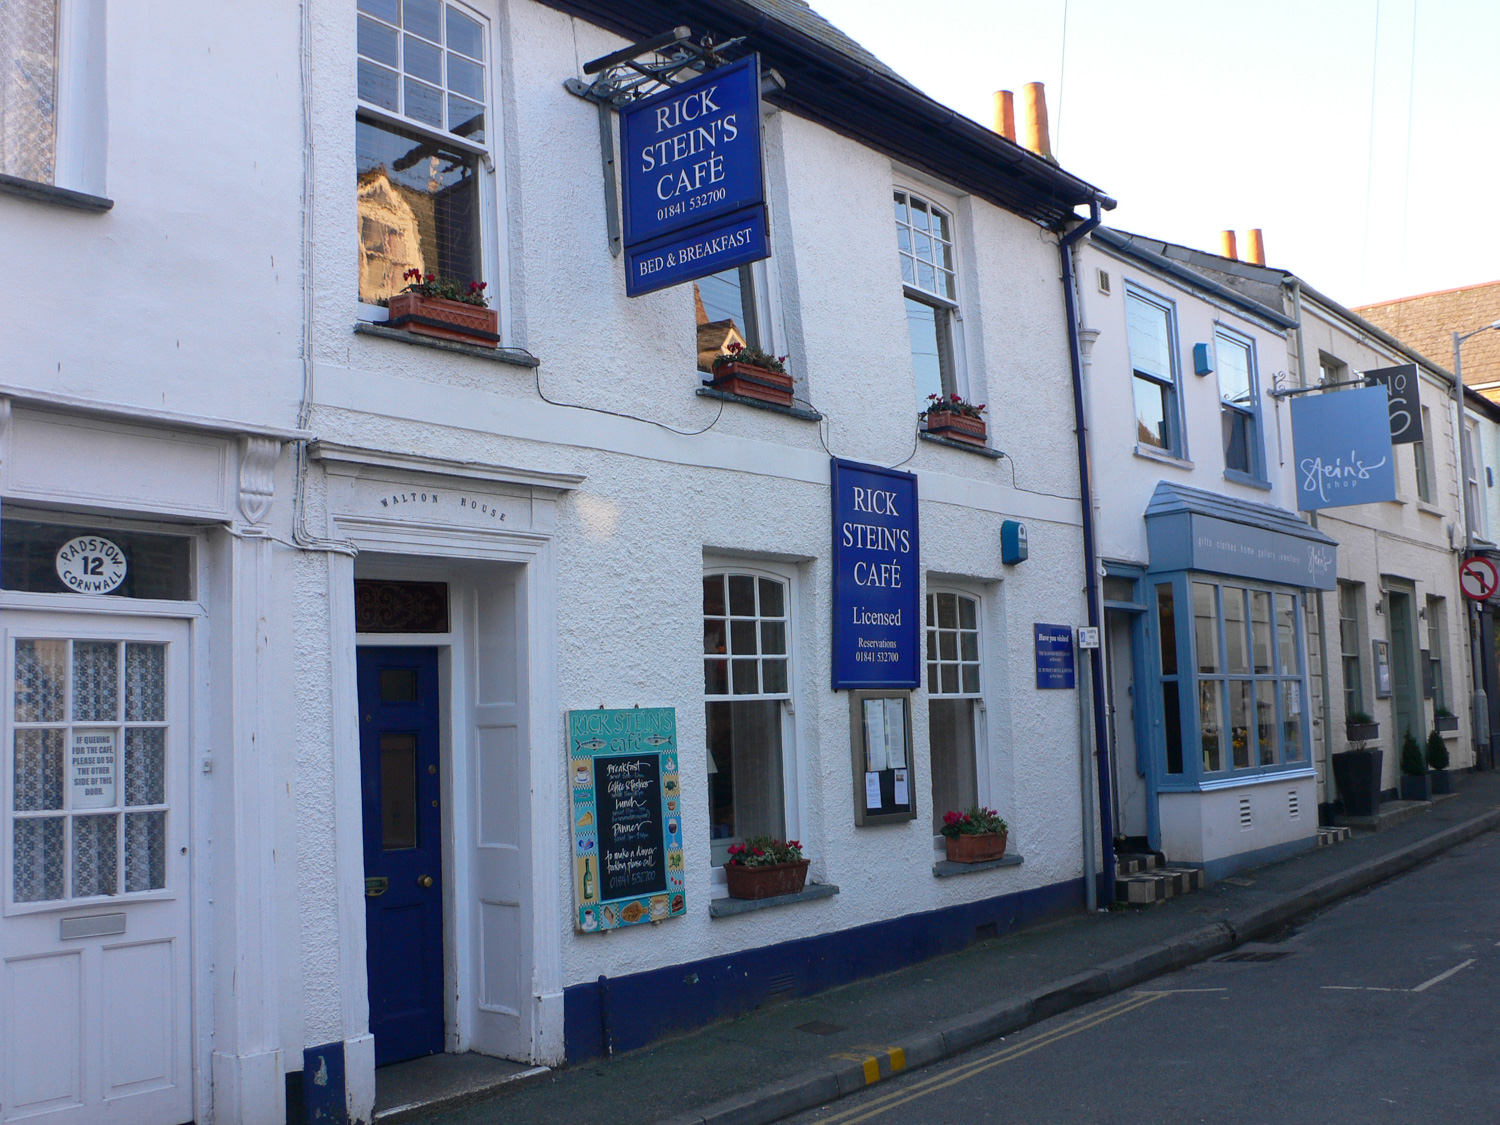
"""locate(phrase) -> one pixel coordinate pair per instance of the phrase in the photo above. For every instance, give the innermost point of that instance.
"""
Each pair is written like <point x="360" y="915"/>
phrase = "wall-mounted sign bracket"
<point x="1287" y="392"/>
<point x="624" y="77"/>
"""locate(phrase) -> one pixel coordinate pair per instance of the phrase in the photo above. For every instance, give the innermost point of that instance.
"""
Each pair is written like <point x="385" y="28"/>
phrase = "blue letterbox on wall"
<point x="1013" y="547"/>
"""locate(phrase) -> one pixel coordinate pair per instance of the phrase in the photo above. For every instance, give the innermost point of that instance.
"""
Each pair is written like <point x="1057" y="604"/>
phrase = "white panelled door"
<point x="95" y="988"/>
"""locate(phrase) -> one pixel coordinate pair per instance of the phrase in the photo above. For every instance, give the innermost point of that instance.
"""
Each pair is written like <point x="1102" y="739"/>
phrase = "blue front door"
<point x="398" y="748"/>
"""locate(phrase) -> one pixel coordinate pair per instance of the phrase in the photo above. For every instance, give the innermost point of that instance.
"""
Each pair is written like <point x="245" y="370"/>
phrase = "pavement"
<point x="1377" y="1009"/>
<point x="793" y="1056"/>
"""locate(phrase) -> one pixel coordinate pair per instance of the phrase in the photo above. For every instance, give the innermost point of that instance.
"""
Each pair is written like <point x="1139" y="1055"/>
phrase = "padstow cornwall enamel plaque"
<point x="627" y="817"/>
<point x="1342" y="442"/>
<point x="90" y="565"/>
<point x="876" y="574"/>
<point x="693" y="190"/>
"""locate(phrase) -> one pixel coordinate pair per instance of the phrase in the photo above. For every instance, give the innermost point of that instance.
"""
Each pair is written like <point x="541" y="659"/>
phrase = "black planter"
<point x="1362" y="732"/>
<point x="1357" y="774"/>
<point x="1440" y="781"/>
<point x="1446" y="722"/>
<point x="1416" y="787"/>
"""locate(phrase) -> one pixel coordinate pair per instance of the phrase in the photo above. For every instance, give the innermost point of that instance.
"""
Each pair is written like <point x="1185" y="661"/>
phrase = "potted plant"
<point x="1356" y="772"/>
<point x="1360" y="727"/>
<point x="762" y="868"/>
<point x="1414" y="782"/>
<point x="1437" y="763"/>
<point x="752" y="373"/>
<point x="1445" y="720"/>
<point x="954" y="418"/>
<point x="449" y="310"/>
<point x="974" y="836"/>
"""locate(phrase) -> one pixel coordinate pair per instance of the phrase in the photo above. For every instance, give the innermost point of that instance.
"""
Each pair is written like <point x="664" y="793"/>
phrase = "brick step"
<point x="1148" y="887"/>
<point x="1133" y="863"/>
<point x="1328" y="836"/>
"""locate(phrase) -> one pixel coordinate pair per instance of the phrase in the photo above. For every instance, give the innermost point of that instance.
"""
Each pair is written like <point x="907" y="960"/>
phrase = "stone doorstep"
<point x="1335" y="835"/>
<point x="1133" y="863"/>
<point x="445" y="1081"/>
<point x="1151" y="887"/>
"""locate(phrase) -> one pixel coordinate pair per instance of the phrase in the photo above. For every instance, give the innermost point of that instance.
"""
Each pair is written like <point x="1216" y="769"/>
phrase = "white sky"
<point x="1202" y="115"/>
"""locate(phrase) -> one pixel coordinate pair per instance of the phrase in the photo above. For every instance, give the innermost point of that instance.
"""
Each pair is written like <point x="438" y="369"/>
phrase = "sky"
<point x="1368" y="159"/>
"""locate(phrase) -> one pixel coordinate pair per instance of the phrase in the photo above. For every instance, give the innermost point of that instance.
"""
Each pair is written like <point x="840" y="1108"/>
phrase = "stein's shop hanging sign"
<point x="1342" y="443"/>
<point x="693" y="190"/>
<point x="627" y="823"/>
<point x="876" y="577"/>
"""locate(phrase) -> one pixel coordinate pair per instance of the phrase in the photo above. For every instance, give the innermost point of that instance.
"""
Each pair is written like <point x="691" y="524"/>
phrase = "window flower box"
<point x="759" y="383"/>
<point x="1446" y="723"/>
<point x="445" y="319"/>
<point x="975" y="848"/>
<point x="1361" y="732"/>
<point x="959" y="427"/>
<point x="764" y="868"/>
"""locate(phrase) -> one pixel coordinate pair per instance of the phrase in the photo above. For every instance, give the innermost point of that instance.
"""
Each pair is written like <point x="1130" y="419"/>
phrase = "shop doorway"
<point x="1405" y="687"/>
<point x="1124" y="759"/>
<point x="404" y="870"/>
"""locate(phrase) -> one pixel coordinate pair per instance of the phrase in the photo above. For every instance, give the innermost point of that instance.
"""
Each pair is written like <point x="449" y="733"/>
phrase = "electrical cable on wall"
<point x="620" y="414"/>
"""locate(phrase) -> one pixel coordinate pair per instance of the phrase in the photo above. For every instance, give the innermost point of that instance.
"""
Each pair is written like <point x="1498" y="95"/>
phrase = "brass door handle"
<point x="424" y="880"/>
<point x="376" y="886"/>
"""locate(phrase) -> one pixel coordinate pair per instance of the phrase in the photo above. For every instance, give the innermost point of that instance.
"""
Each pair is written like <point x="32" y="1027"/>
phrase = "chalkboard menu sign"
<point x="626" y="823"/>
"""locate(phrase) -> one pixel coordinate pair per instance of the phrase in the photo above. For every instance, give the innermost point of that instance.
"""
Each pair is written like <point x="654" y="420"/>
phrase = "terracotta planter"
<point x="753" y="382"/>
<point x="958" y="427"/>
<point x="975" y="848"/>
<point x="766" y="882"/>
<point x="444" y="319"/>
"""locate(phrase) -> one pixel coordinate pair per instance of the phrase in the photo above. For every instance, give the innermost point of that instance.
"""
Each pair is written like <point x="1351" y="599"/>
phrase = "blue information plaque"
<point x="877" y="557"/>
<point x="1054" y="656"/>
<point x="697" y="252"/>
<point x="691" y="154"/>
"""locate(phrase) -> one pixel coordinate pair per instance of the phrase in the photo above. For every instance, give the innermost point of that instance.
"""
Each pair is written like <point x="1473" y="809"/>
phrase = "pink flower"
<point x="950" y="818"/>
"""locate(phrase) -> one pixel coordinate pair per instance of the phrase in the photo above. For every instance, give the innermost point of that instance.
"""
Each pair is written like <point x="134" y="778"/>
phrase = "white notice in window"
<point x="902" y="797"/>
<point x="872" y="792"/>
<point x="91" y="765"/>
<point x="877" y="755"/>
<point x="895" y="734"/>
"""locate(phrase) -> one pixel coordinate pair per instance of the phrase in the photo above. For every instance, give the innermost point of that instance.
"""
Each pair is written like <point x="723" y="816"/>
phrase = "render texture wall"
<point x="631" y="541"/>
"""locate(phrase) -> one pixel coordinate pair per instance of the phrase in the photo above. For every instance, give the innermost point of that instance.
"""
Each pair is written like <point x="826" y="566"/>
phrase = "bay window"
<point x="747" y="690"/>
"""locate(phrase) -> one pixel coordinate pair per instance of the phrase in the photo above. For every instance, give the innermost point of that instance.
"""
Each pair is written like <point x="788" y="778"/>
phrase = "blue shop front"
<point x="1216" y="680"/>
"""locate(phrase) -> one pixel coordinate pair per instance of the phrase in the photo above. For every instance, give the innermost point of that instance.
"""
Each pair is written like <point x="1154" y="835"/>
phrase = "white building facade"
<point x="295" y="603"/>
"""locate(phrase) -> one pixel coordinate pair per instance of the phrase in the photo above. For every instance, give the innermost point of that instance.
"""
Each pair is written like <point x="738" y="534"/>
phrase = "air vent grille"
<point x="1103" y="281"/>
<point x="1293" y="810"/>
<point x="1246" y="821"/>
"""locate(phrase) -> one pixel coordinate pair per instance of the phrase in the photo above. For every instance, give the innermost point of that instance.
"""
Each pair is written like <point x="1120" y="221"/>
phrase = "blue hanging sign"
<point x="697" y="252"/>
<point x="876" y="578"/>
<point x="1342" y="444"/>
<point x="692" y="153"/>
<point x="1054" y="656"/>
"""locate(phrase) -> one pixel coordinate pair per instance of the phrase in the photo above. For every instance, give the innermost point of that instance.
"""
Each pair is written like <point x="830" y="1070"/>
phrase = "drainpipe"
<point x="1479" y="702"/>
<point x="1090" y="559"/>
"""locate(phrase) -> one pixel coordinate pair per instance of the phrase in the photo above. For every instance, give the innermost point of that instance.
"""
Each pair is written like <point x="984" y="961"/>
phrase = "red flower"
<point x="954" y="398"/>
<point x="950" y="818"/>
<point x="735" y="347"/>
<point x="432" y="277"/>
<point x="758" y="852"/>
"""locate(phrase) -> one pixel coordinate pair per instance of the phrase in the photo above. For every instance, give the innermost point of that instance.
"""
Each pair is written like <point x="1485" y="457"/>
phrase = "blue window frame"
<point x="1232" y="665"/>
<point x="1151" y="328"/>
<point x="1239" y="406"/>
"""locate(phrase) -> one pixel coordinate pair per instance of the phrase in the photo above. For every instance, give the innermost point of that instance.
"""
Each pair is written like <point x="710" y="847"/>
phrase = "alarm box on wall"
<point x="1013" y="547"/>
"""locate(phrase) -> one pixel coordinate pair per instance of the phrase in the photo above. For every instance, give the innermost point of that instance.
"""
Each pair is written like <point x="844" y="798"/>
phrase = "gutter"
<point x="1090" y="559"/>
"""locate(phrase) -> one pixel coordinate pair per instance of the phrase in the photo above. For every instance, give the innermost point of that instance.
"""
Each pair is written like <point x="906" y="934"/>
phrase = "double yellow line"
<point x="964" y="1071"/>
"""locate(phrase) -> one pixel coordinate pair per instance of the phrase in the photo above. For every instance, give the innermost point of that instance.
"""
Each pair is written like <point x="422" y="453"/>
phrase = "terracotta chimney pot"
<point x="1005" y="114"/>
<point x="1034" y="120"/>
<point x="1226" y="245"/>
<point x="1255" y="247"/>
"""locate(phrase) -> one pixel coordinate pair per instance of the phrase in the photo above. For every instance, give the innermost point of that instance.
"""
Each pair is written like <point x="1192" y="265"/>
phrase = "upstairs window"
<point x="924" y="238"/>
<point x="725" y="304"/>
<point x="1472" y="472"/>
<point x="1150" y="326"/>
<point x="1422" y="460"/>
<point x="28" y="90"/>
<point x="421" y="135"/>
<point x="1237" y="405"/>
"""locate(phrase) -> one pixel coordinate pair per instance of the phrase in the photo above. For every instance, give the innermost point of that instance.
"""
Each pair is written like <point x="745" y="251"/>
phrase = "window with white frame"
<point x="1151" y="329"/>
<point x="747" y="689"/>
<point x="924" y="238"/>
<point x="1437" y="650"/>
<point x="1422" y="459"/>
<point x="28" y="90"/>
<point x="1351" y="611"/>
<point x="727" y="314"/>
<point x="422" y="135"/>
<point x="1473" y="471"/>
<point x="953" y="694"/>
<point x="1237" y="403"/>
<point x="1331" y="369"/>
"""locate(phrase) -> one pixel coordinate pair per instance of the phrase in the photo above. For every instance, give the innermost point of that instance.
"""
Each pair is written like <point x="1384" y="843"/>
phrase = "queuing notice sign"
<point x="876" y="577"/>
<point x="1342" y="442"/>
<point x="627" y="824"/>
<point x="694" y="186"/>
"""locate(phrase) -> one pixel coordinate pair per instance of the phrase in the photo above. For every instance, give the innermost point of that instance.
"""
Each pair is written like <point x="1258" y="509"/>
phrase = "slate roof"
<point x="1427" y="322"/>
<point x="1171" y="499"/>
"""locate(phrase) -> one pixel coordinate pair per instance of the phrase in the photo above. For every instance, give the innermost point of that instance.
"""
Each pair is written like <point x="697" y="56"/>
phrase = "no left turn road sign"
<point x="1478" y="578"/>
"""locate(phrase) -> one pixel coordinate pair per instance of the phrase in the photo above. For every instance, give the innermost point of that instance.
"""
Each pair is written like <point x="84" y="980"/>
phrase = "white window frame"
<point x="792" y="767"/>
<point x="492" y="200"/>
<point x="1473" y="474"/>
<point x="1422" y="461"/>
<point x="980" y="712"/>
<point x="79" y="118"/>
<point x="1178" y="446"/>
<point x="956" y="379"/>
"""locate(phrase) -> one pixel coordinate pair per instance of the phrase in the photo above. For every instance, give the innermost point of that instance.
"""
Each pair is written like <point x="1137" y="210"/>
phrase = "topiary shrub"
<point x="1437" y="752"/>
<point x="1412" y="762"/>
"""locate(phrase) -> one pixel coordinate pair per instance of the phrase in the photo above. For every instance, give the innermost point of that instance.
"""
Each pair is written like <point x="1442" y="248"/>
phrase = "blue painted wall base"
<point x="644" y="1007"/>
<point x="1229" y="864"/>
<point x="324" y="1097"/>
